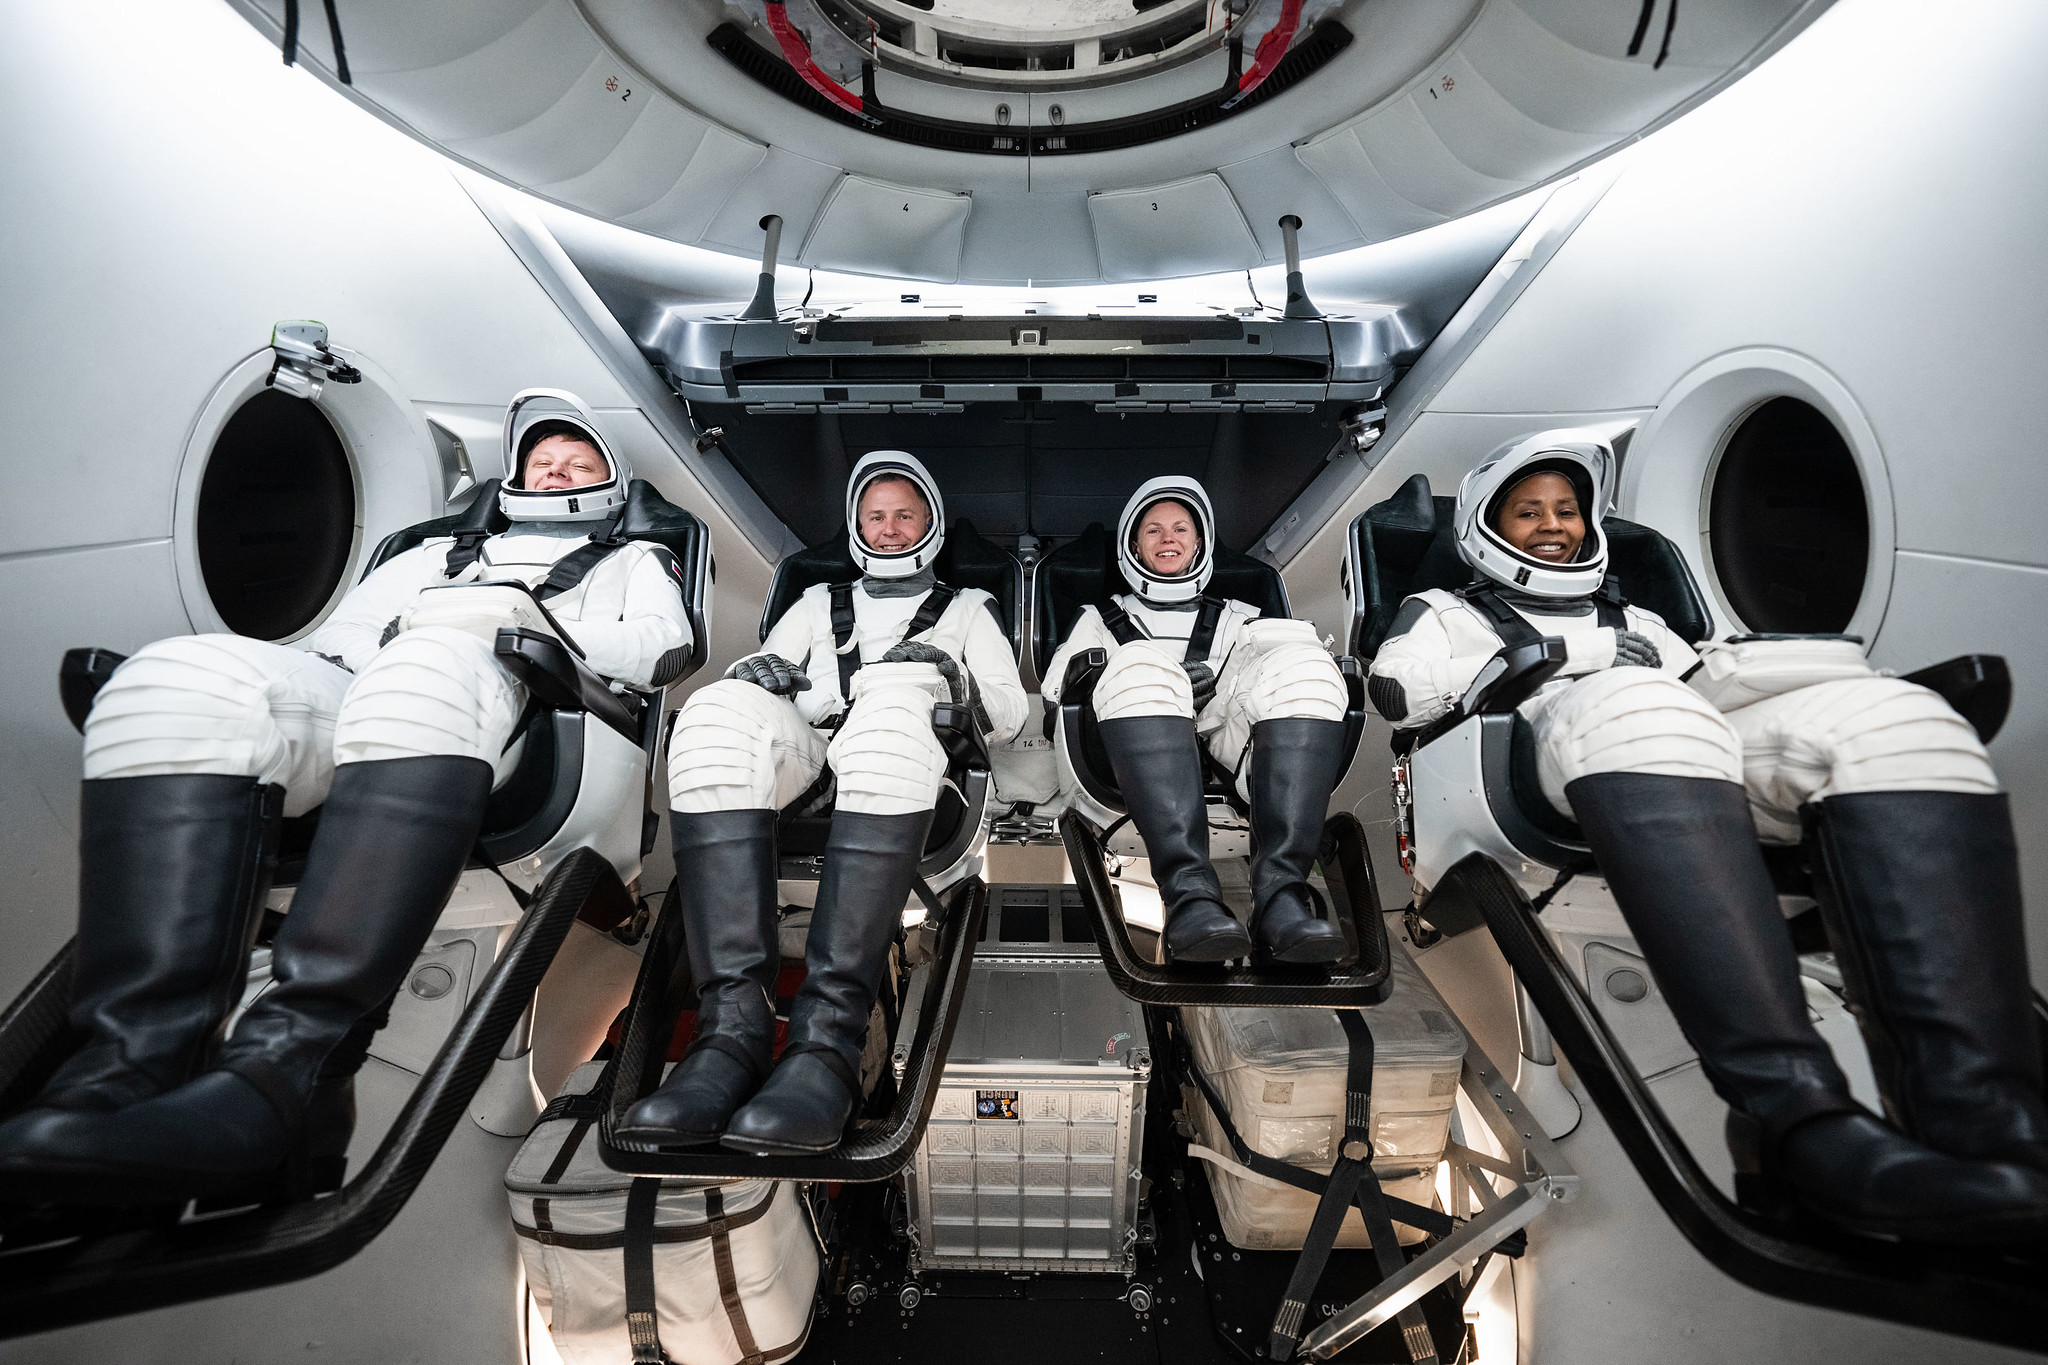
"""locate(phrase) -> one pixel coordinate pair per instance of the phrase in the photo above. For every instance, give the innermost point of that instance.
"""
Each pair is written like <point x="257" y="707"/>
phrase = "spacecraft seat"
<point x="966" y="800"/>
<point x="1082" y="573"/>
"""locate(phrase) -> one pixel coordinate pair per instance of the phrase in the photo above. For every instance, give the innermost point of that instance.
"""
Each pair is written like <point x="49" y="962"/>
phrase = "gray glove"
<point x="1635" y="651"/>
<point x="1202" y="679"/>
<point x="918" y="652"/>
<point x="771" y="673"/>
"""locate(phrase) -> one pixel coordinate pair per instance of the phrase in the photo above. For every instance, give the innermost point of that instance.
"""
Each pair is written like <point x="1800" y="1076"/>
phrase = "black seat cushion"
<point x="967" y="561"/>
<point x="1084" y="573"/>
<point x="1405" y="545"/>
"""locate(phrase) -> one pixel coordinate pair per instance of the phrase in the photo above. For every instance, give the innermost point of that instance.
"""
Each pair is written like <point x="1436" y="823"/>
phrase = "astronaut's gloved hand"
<point x="918" y="652"/>
<point x="771" y="673"/>
<point x="1202" y="679"/>
<point x="1635" y="651"/>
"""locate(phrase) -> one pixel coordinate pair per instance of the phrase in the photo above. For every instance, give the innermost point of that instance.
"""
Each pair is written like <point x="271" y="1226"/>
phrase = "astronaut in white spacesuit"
<point x="840" y="695"/>
<point x="1673" y="784"/>
<point x="396" y="719"/>
<point x="1263" y="697"/>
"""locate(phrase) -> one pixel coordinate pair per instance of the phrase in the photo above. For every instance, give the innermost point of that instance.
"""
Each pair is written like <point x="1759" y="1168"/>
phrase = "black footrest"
<point x="1347" y="870"/>
<point x="874" y="1149"/>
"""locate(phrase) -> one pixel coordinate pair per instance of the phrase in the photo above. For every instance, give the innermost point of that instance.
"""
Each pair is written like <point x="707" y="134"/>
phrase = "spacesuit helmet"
<point x="894" y="464"/>
<point x="1189" y="582"/>
<point x="1585" y="458"/>
<point x="561" y="414"/>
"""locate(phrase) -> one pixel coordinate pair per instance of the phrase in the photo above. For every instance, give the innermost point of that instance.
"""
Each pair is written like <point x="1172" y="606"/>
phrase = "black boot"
<point x="172" y="871"/>
<point x="725" y="875"/>
<point x="870" y="861"/>
<point x="1159" y="771"/>
<point x="1681" y="856"/>
<point x="1294" y="766"/>
<point x="1929" y="932"/>
<point x="272" y="1119"/>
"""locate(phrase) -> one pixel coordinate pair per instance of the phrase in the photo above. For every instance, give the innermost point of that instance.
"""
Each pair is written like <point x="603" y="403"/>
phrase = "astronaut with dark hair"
<point x="1674" y="784"/>
<point x="836" y="705"/>
<point x="1189" y="674"/>
<point x="396" y="719"/>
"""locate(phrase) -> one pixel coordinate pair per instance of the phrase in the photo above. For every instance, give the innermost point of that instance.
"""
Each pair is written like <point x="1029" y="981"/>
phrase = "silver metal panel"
<point x="1031" y="1160"/>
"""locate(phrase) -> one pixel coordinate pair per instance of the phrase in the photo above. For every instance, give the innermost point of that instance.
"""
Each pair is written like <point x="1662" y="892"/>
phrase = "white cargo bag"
<point x="717" y="1272"/>
<point x="1280" y="1073"/>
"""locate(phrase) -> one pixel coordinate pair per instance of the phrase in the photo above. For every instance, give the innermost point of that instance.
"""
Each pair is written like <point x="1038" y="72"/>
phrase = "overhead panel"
<point x="877" y="228"/>
<point x="644" y="166"/>
<point x="1340" y="162"/>
<point x="1042" y="237"/>
<point x="571" y="135"/>
<point x="720" y="162"/>
<point x="1563" y="85"/>
<point x="507" y="83"/>
<point x="386" y="36"/>
<point x="1484" y="131"/>
<point x="784" y="183"/>
<point x="1418" y="166"/>
<point x="1188" y="227"/>
<point x="1276" y="184"/>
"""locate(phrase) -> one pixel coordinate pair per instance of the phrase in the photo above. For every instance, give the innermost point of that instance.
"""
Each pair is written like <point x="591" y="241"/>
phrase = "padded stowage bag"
<point x="626" y="1269"/>
<point x="1734" y="673"/>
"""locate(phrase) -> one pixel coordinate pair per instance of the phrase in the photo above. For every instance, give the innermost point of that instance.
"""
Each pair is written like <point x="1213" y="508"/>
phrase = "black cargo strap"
<point x="1203" y="638"/>
<point x="844" y="628"/>
<point x="643" y="1329"/>
<point x="1431" y="1221"/>
<point x="1349" y="1182"/>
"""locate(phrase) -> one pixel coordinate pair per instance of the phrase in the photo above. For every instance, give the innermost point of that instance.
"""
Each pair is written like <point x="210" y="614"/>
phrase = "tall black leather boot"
<point x="1928" y="929"/>
<point x="1159" y="771"/>
<point x="272" y="1120"/>
<point x="1681" y="856"/>
<point x="1295" y="765"/>
<point x="870" y="861"/>
<point x="172" y="871"/>
<point x="725" y="876"/>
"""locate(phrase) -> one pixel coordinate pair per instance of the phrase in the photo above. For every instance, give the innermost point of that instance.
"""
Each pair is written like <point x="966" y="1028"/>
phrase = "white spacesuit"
<point x="396" y="719"/>
<point x="836" y="705"/>
<point x="1672" y="785"/>
<point x="1263" y="697"/>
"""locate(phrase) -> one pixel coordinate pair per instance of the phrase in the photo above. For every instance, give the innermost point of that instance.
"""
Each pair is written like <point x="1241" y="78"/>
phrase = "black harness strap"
<point x="1124" y="630"/>
<point x="572" y="568"/>
<point x="642" y="1321"/>
<point x="844" y="626"/>
<point x="1608" y="608"/>
<point x="467" y="550"/>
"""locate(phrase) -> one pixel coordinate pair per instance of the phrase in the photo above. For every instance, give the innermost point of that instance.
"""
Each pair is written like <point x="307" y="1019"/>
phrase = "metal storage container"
<point x="1031" y="1158"/>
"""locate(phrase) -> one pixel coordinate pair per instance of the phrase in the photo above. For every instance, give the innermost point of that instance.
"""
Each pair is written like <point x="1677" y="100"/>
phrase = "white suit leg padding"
<point x="1294" y="681"/>
<point x="738" y="747"/>
<point x="431" y="691"/>
<point x="1629" y="720"/>
<point x="220" y="704"/>
<point x="1853" y="735"/>
<point x="1143" y="679"/>
<point x="886" y="758"/>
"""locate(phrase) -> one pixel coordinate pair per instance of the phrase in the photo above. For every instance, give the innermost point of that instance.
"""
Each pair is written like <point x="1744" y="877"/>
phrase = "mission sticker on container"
<point x="995" y="1104"/>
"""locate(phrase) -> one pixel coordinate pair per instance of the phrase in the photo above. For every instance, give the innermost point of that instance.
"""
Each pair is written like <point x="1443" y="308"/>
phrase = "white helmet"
<point x="531" y="408"/>
<point x="1582" y="456"/>
<point x="1189" y="583"/>
<point x="894" y="563"/>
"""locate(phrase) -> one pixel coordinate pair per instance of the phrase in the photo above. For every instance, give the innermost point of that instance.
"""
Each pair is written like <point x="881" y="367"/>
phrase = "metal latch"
<point x="302" y="362"/>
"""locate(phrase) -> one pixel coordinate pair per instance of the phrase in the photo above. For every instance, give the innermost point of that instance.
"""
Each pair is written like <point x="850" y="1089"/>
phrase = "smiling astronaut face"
<point x="1168" y="539"/>
<point x="1540" y="517"/>
<point x="563" y="462"/>
<point x="893" y="515"/>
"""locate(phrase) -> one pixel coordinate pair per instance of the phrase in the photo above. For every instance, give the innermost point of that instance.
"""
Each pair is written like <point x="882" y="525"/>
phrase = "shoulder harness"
<point x="847" y="646"/>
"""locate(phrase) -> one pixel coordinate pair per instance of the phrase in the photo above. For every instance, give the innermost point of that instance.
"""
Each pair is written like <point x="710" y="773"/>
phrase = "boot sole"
<point x="1772" y="1198"/>
<point x="663" y="1137"/>
<point x="1218" y="947"/>
<point x="1314" y="953"/>
<point x="768" y="1147"/>
<point x="97" y="1187"/>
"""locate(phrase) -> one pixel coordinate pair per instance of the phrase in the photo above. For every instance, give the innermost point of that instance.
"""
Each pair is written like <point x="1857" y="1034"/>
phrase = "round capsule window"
<point x="1788" y="522"/>
<point x="276" y="516"/>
